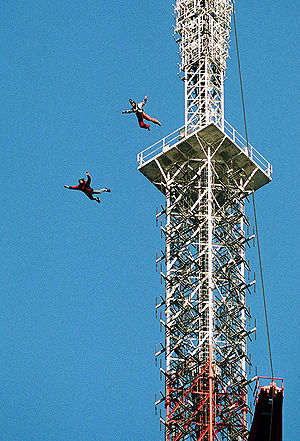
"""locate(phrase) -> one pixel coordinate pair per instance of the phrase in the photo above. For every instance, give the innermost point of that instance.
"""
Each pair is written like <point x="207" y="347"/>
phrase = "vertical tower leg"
<point x="210" y="291"/>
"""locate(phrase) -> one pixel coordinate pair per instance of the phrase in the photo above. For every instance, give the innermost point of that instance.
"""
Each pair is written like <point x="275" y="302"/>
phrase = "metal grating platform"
<point x="230" y="148"/>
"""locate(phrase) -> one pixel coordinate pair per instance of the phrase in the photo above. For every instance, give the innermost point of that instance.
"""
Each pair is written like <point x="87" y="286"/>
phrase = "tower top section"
<point x="202" y="31"/>
<point x="203" y="27"/>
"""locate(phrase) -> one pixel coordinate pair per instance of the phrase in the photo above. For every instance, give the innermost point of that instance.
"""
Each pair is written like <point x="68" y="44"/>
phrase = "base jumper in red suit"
<point x="85" y="187"/>
<point x="140" y="114"/>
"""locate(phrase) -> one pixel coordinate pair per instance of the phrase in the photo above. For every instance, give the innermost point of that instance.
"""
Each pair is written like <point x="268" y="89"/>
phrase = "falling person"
<point x="85" y="187"/>
<point x="140" y="114"/>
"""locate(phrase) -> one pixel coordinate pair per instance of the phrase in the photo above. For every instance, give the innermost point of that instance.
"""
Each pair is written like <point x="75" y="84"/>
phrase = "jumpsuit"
<point x="140" y="114"/>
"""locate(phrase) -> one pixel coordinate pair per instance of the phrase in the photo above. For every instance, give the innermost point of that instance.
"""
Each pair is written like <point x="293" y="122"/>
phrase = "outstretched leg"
<point x="141" y="122"/>
<point x="92" y="198"/>
<point x="149" y="118"/>
<point x="101" y="191"/>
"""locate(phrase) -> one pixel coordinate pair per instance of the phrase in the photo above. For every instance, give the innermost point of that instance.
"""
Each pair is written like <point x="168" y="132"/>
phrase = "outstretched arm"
<point x="144" y="102"/>
<point x="128" y="111"/>
<point x="76" y="187"/>
<point x="88" y="181"/>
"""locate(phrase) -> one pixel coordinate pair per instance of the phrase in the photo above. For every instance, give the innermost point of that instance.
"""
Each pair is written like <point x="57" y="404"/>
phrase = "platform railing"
<point x="184" y="132"/>
<point x="161" y="145"/>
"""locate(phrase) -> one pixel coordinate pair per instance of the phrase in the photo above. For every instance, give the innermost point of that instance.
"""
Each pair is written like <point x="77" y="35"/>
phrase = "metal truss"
<point x="202" y="32"/>
<point x="205" y="316"/>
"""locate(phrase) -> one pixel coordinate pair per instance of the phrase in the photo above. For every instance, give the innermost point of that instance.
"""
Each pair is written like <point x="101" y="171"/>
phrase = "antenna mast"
<point x="202" y="32"/>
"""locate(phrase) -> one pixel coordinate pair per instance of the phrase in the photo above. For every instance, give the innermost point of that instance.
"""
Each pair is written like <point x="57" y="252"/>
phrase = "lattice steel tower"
<point x="205" y="169"/>
<point x="202" y="30"/>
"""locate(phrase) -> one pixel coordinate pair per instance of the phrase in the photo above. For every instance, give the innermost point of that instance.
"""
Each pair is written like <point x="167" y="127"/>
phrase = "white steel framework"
<point x="202" y="32"/>
<point x="205" y="170"/>
<point x="205" y="178"/>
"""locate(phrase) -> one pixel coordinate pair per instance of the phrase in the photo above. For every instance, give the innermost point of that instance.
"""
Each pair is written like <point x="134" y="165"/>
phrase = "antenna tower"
<point x="206" y="170"/>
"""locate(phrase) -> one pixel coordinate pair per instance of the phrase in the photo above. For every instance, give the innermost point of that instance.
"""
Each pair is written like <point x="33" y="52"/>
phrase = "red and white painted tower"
<point x="205" y="169"/>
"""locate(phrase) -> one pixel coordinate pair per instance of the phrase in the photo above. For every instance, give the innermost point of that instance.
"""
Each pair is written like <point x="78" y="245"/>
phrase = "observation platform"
<point x="180" y="145"/>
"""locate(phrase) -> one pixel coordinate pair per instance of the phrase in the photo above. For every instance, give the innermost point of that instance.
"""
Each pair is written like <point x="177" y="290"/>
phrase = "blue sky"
<point x="77" y="319"/>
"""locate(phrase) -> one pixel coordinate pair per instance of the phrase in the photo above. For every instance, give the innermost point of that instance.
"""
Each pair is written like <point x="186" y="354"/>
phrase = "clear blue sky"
<point x="77" y="320"/>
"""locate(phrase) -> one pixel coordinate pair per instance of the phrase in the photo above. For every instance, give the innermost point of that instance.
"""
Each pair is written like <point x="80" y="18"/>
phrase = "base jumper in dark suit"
<point x="85" y="187"/>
